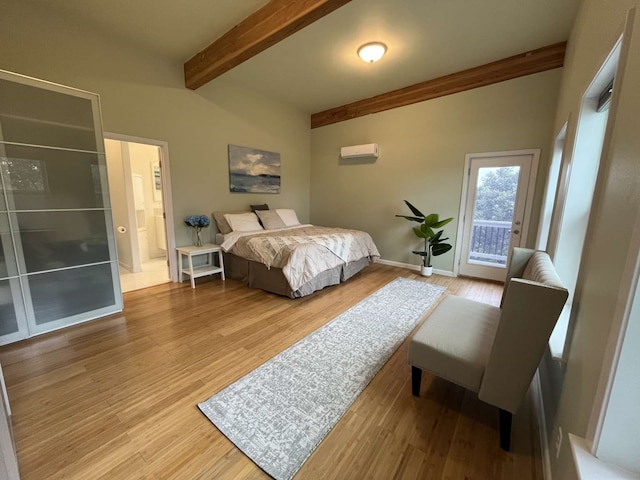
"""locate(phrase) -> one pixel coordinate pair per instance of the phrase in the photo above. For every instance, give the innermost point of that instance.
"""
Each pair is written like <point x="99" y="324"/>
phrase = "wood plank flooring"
<point x="116" y="398"/>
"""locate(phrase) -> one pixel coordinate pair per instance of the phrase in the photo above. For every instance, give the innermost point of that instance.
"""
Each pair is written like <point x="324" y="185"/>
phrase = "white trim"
<point x="630" y="275"/>
<point x="599" y="80"/>
<point x="47" y="147"/>
<point x="620" y="321"/>
<point x="463" y="206"/>
<point x="8" y="459"/>
<point x="547" y="200"/>
<point x="446" y="273"/>
<point x="533" y="173"/>
<point x="37" y="82"/>
<point x="590" y="467"/>
<point x="167" y="196"/>
<point x="541" y="420"/>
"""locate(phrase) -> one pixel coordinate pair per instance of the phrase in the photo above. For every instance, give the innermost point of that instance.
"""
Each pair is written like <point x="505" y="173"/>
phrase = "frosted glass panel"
<point x="52" y="240"/>
<point x="57" y="248"/>
<point x="65" y="293"/>
<point x="3" y="203"/>
<point x="41" y="178"/>
<point x="8" y="267"/>
<point x="9" y="289"/>
<point x="43" y="117"/>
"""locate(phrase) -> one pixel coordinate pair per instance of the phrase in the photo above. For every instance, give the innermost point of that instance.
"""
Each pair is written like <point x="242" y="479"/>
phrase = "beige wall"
<point x="423" y="149"/>
<point x="143" y="95"/>
<point x="570" y="391"/>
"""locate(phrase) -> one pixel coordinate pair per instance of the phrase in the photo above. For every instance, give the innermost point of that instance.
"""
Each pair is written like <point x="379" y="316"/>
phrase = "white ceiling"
<point x="317" y="68"/>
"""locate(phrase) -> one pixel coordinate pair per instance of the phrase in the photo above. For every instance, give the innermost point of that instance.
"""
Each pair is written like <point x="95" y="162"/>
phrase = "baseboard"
<point x="125" y="265"/>
<point x="541" y="420"/>
<point x="446" y="273"/>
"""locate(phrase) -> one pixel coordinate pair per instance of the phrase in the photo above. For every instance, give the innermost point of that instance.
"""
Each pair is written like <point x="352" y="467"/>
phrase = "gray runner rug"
<point x="279" y="413"/>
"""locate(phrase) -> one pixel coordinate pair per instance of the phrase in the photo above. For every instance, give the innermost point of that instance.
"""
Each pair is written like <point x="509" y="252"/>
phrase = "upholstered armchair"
<point x="494" y="351"/>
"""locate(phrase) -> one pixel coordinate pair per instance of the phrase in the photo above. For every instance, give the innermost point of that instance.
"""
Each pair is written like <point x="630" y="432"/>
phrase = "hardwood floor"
<point x="116" y="398"/>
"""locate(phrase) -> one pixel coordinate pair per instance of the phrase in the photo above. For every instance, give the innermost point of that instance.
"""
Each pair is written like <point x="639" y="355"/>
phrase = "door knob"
<point x="518" y="222"/>
<point x="516" y="232"/>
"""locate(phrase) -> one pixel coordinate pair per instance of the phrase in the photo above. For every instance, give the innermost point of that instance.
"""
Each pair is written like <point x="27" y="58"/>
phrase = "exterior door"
<point x="495" y="213"/>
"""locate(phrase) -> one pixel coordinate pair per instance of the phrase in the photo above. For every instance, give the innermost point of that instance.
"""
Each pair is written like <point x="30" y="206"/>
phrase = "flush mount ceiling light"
<point x="372" y="52"/>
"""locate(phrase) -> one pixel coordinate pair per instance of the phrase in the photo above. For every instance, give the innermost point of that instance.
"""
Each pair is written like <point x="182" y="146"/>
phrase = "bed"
<point x="289" y="258"/>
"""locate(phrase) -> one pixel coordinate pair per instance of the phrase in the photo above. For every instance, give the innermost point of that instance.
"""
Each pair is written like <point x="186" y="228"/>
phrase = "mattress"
<point x="305" y="258"/>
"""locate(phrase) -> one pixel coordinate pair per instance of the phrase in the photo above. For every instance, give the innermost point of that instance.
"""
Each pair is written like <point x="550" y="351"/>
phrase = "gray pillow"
<point x="270" y="219"/>
<point x="221" y="222"/>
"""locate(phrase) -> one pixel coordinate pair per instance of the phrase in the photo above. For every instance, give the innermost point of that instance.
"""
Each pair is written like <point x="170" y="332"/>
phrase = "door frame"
<point x="167" y="198"/>
<point x="535" y="159"/>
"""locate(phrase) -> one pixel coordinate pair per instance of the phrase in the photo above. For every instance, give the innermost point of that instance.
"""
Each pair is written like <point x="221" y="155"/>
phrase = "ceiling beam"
<point x="272" y="23"/>
<point x="535" y="61"/>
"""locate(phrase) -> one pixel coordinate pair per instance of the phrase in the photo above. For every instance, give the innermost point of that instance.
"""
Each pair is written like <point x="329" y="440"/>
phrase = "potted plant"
<point x="434" y="244"/>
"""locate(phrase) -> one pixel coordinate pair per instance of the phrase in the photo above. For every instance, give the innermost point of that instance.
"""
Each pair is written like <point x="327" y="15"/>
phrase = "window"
<point x="578" y="174"/>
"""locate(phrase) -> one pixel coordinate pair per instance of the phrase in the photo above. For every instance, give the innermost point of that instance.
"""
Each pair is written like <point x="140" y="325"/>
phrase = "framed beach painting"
<point x="253" y="171"/>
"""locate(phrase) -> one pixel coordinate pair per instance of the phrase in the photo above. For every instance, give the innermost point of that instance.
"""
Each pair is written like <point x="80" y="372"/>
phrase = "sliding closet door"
<point x="57" y="230"/>
<point x="12" y="313"/>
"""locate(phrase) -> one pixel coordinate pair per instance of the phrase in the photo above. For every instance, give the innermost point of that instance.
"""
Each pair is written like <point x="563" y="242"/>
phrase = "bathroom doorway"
<point x="138" y="182"/>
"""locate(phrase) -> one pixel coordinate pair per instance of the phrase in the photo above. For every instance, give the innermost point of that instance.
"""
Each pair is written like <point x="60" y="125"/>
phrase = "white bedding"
<point x="302" y="252"/>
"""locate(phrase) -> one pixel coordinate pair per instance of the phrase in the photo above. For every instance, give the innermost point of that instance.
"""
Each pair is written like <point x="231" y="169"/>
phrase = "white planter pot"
<point x="426" y="271"/>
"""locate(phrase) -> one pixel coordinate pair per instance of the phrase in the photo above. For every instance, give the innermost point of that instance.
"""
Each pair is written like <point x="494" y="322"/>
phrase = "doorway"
<point x="495" y="210"/>
<point x="136" y="184"/>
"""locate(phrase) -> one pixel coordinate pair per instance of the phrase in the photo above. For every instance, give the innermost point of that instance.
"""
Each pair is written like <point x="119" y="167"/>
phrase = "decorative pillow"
<point x="243" y="222"/>
<point x="264" y="206"/>
<point x="288" y="216"/>
<point x="221" y="222"/>
<point x="270" y="219"/>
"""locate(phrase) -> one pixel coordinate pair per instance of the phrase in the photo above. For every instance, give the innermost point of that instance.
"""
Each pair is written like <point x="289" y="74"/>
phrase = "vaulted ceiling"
<point x="317" y="68"/>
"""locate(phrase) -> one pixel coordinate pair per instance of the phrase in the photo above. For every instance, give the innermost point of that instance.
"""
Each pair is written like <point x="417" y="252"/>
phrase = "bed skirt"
<point x="257" y="275"/>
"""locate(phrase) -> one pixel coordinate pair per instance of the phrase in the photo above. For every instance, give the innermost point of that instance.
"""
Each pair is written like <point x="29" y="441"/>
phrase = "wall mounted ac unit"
<point x="357" y="151"/>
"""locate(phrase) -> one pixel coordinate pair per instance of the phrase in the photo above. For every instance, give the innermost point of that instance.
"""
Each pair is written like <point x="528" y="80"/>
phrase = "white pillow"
<point x="243" y="222"/>
<point x="288" y="216"/>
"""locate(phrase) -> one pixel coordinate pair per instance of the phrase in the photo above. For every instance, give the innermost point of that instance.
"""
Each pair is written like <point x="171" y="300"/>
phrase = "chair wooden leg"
<point x="416" y="379"/>
<point x="505" y="430"/>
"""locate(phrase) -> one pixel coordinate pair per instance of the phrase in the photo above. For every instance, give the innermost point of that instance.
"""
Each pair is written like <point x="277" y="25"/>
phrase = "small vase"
<point x="197" y="238"/>
<point x="426" y="271"/>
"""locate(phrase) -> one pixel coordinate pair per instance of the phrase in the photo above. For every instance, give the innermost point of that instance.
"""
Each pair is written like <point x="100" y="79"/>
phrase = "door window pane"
<point x="52" y="240"/>
<point x="493" y="215"/>
<point x="57" y="295"/>
<point x="46" y="179"/>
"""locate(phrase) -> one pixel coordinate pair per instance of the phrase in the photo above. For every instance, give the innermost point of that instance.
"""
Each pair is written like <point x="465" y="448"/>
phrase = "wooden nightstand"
<point x="210" y="268"/>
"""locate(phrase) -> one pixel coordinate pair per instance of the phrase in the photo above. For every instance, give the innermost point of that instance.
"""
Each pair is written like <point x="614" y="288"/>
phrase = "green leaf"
<point x="413" y="219"/>
<point x="436" y="237"/>
<point x="431" y="219"/>
<point x="440" y="249"/>
<point x="441" y="223"/>
<point x="419" y="233"/>
<point x="427" y="231"/>
<point x="422" y="254"/>
<point x="414" y="210"/>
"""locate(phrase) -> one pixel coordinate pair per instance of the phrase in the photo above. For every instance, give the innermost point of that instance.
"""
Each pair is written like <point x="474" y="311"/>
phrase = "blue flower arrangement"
<point x="197" y="222"/>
